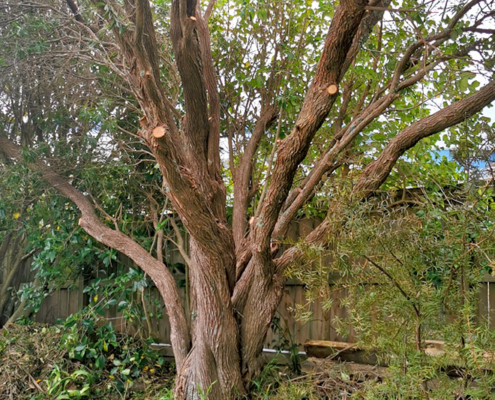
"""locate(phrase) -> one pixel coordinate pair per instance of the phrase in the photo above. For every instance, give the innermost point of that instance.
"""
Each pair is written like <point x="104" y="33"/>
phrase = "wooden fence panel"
<point x="321" y="325"/>
<point x="486" y="308"/>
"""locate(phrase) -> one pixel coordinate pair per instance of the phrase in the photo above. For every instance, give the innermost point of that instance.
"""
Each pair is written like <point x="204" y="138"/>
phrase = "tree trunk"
<point x="213" y="364"/>
<point x="227" y="335"/>
<point x="219" y="352"/>
<point x="258" y="311"/>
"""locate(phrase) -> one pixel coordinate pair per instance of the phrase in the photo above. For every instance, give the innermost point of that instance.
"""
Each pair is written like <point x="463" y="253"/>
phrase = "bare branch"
<point x="243" y="173"/>
<point x="188" y="55"/>
<point x="209" y="9"/>
<point x="75" y="10"/>
<point x="210" y="79"/>
<point x="376" y="172"/>
<point x="400" y="10"/>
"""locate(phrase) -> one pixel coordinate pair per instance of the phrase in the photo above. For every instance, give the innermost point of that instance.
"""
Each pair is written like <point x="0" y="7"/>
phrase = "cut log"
<point x="340" y="351"/>
<point x="351" y="352"/>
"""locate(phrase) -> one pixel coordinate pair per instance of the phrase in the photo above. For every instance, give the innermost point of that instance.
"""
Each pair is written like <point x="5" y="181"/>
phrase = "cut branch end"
<point x="332" y="89"/>
<point x="159" y="132"/>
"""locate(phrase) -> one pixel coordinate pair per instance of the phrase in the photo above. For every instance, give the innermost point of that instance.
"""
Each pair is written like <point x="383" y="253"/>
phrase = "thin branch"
<point x="209" y="9"/>
<point x="269" y="165"/>
<point x="396" y="284"/>
<point x="399" y="10"/>
<point x="180" y="241"/>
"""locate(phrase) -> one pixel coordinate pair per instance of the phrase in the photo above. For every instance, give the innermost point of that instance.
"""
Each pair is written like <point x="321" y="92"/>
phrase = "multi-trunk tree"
<point x="292" y="104"/>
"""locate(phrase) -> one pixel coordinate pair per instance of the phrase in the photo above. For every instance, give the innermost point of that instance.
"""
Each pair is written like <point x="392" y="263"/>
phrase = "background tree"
<point x="266" y="80"/>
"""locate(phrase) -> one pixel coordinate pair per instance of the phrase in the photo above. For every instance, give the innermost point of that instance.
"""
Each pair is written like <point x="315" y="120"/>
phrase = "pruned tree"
<point x="260" y="92"/>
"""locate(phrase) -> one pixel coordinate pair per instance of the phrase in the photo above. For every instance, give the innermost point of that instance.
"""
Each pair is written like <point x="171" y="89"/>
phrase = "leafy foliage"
<point x="412" y="267"/>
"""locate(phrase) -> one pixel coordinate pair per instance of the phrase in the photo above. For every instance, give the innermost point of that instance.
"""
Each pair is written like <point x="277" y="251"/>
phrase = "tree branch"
<point x="75" y="10"/>
<point x="365" y="28"/>
<point x="376" y="172"/>
<point x="187" y="51"/>
<point x="317" y="104"/>
<point x="396" y="284"/>
<point x="211" y="84"/>
<point x="209" y="9"/>
<point x="328" y="162"/>
<point x="243" y="173"/>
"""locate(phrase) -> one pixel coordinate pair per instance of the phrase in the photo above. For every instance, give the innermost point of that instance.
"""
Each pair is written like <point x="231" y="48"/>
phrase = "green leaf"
<point x="80" y="347"/>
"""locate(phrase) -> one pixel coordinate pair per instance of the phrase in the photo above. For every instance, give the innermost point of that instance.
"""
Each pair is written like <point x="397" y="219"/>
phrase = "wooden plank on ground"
<point x="340" y="351"/>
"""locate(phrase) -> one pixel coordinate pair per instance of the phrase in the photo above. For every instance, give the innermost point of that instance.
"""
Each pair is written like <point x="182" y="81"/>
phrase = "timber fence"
<point x="320" y="326"/>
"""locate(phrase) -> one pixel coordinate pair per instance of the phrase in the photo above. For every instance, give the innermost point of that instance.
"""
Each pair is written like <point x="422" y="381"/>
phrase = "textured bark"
<point x="259" y="278"/>
<point x="201" y="122"/>
<point x="213" y="147"/>
<point x="214" y="359"/>
<point x="243" y="184"/>
<point x="371" y="179"/>
<point x="364" y="31"/>
<point x="259" y="307"/>
<point x="344" y="137"/>
<point x="317" y="104"/>
<point x="377" y="171"/>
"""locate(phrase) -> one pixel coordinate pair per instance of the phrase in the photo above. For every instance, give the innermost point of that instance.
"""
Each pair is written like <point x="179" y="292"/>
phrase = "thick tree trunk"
<point x="219" y="352"/>
<point x="226" y="352"/>
<point x="258" y="310"/>
<point x="213" y="363"/>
